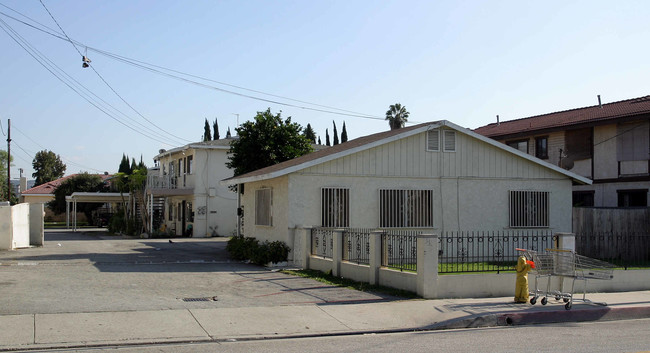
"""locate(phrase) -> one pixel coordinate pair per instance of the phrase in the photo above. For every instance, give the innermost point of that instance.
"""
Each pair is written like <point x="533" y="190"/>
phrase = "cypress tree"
<point x="327" y="138"/>
<point x="215" y="127"/>
<point x="344" y="134"/>
<point x="336" y="134"/>
<point x="207" y="136"/>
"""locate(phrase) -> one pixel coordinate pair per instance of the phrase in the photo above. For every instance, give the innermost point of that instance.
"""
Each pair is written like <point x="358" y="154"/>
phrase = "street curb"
<point x="543" y="317"/>
<point x="597" y="314"/>
<point x="473" y="321"/>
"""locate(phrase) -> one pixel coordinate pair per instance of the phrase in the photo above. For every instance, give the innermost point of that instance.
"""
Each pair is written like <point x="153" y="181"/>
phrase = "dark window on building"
<point x="632" y="141"/>
<point x="521" y="145"/>
<point x="583" y="198"/>
<point x="541" y="147"/>
<point x="633" y="198"/>
<point x="578" y="144"/>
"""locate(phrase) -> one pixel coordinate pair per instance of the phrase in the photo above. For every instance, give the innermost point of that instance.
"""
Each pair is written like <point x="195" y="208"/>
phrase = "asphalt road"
<point x="94" y="272"/>
<point x="608" y="336"/>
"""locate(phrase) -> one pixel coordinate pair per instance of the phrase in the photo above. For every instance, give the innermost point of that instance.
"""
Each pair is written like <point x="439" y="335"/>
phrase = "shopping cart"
<point x="544" y="267"/>
<point x="568" y="264"/>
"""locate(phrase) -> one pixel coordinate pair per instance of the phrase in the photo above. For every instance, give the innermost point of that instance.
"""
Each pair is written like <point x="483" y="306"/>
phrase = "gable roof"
<point x="370" y="141"/>
<point x="49" y="187"/>
<point x="593" y="114"/>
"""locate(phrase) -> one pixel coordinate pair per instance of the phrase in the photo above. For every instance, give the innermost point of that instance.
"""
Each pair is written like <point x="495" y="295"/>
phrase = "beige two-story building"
<point x="608" y="143"/>
<point x="184" y="189"/>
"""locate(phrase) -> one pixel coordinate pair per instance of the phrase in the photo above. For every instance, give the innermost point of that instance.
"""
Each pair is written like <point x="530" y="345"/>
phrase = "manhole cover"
<point x="206" y="299"/>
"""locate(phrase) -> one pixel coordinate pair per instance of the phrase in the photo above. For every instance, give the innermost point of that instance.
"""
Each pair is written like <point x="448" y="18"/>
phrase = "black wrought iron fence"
<point x="322" y="242"/>
<point x="356" y="245"/>
<point x="488" y="251"/>
<point x="399" y="249"/>
<point x="624" y="250"/>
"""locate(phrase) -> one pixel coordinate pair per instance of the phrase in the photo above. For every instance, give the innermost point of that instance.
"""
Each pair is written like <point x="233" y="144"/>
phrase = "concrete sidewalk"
<point x="67" y="330"/>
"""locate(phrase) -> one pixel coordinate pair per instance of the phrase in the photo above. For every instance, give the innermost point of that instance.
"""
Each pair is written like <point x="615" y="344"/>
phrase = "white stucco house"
<point x="185" y="191"/>
<point x="434" y="176"/>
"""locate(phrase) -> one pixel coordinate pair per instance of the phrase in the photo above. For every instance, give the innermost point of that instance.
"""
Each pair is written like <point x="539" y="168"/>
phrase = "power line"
<point x="61" y="28"/>
<point x="87" y="62"/>
<point x="32" y="154"/>
<point x="40" y="58"/>
<point x="153" y="68"/>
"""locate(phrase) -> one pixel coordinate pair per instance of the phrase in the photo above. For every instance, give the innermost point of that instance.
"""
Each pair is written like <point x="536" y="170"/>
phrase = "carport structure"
<point x="90" y="197"/>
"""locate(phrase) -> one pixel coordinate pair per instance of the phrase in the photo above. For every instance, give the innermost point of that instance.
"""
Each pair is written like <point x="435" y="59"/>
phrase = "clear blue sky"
<point x="461" y="61"/>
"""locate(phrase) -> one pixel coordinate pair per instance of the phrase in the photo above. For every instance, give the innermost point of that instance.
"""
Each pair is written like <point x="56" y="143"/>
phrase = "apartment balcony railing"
<point x="185" y="181"/>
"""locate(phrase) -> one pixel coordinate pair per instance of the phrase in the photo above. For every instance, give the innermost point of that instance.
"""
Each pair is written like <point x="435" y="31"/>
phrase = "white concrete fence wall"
<point x="429" y="284"/>
<point x="21" y="226"/>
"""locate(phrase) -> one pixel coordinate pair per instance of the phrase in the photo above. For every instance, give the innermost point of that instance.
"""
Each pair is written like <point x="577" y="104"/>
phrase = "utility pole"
<point x="9" y="160"/>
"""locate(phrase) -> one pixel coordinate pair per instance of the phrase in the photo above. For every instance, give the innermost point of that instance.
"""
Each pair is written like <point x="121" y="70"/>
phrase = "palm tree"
<point x="396" y="116"/>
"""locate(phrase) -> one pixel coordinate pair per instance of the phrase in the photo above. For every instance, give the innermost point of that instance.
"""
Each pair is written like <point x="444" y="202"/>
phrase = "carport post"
<point x="67" y="214"/>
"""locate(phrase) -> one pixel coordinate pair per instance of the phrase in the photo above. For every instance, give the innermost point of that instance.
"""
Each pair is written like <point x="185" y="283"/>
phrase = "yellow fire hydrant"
<point x="521" y="285"/>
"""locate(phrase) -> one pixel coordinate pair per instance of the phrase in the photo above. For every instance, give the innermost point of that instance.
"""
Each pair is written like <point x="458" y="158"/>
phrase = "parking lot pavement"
<point x="95" y="272"/>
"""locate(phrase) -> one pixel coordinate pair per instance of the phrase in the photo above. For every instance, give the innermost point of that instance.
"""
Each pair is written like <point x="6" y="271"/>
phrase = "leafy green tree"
<point x="336" y="134"/>
<point x="215" y="128"/>
<point x="397" y="116"/>
<point x="79" y="183"/>
<point x="133" y="165"/>
<point x="207" y="136"/>
<point x="327" y="138"/>
<point x="344" y="134"/>
<point x="47" y="166"/>
<point x="134" y="184"/>
<point x="266" y="141"/>
<point x="310" y="134"/>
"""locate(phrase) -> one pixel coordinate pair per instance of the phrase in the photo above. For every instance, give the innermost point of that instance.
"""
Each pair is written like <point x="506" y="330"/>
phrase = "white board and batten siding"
<point x="470" y="186"/>
<point x="409" y="157"/>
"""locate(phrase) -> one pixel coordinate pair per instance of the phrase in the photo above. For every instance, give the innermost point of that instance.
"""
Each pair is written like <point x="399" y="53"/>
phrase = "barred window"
<point x="335" y="207"/>
<point x="405" y="208"/>
<point x="263" y="204"/>
<point x="433" y="140"/>
<point x="529" y="209"/>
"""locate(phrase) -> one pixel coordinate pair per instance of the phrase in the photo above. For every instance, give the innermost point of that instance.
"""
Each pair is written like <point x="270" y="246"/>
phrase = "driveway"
<point x="92" y="271"/>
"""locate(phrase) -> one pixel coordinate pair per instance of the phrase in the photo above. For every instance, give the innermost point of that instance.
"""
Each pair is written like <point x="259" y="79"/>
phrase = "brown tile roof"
<point x="358" y="142"/>
<point x="49" y="187"/>
<point x="626" y="108"/>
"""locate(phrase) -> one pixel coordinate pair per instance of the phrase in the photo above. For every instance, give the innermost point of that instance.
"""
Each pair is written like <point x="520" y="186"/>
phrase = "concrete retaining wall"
<point x="481" y="285"/>
<point x="21" y="226"/>
<point x="429" y="284"/>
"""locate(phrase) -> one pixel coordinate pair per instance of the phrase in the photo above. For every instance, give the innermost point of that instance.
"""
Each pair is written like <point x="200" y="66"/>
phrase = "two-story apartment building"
<point x="608" y="143"/>
<point x="185" y="184"/>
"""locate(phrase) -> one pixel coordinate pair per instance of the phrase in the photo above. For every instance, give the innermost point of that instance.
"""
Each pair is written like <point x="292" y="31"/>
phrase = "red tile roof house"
<point x="461" y="181"/>
<point x="44" y="193"/>
<point x="608" y="143"/>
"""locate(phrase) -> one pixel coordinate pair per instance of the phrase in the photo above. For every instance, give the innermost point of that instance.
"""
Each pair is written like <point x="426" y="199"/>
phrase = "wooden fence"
<point x="611" y="220"/>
